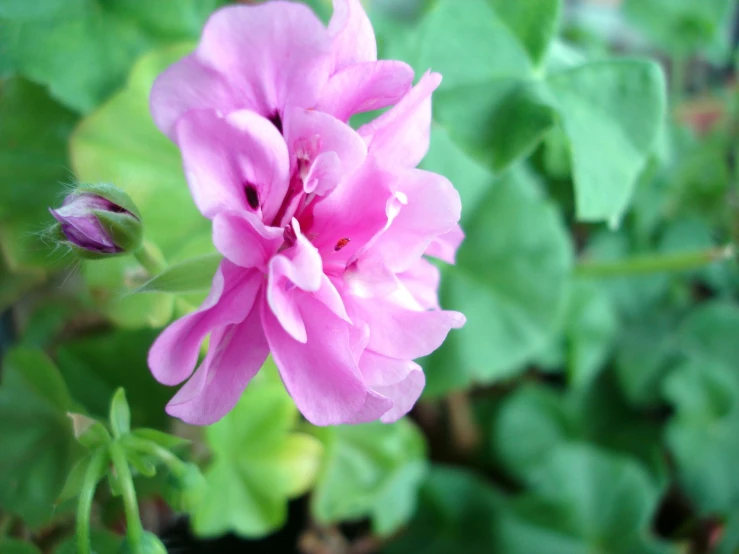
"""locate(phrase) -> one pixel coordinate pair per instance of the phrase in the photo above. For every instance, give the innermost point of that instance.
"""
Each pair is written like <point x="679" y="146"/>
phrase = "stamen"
<point x="341" y="244"/>
<point x="252" y="196"/>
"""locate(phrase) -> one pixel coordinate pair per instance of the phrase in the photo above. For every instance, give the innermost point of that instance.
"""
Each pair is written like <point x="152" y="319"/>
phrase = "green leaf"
<point x="15" y="546"/>
<point x="191" y="275"/>
<point x="89" y="433"/>
<point x="94" y="367"/>
<point x="35" y="437"/>
<point x="611" y="112"/>
<point x="531" y="424"/>
<point x="710" y="333"/>
<point x="33" y="157"/>
<point x="510" y="281"/>
<point x="372" y="470"/>
<point x="457" y="512"/>
<point x="258" y="463"/>
<point x="590" y="331"/>
<point x="534" y="22"/>
<point x="164" y="440"/>
<point x="120" y="414"/>
<point x="602" y="503"/>
<point x="120" y="144"/>
<point x="74" y="482"/>
<point x="702" y="436"/>
<point x="83" y="50"/>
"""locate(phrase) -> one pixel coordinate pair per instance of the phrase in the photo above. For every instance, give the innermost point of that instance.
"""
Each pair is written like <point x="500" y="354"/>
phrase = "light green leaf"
<point x="534" y="22"/>
<point x="83" y="50"/>
<point x="191" y="275"/>
<point x="258" y="463"/>
<point x="120" y="144"/>
<point x="611" y="112"/>
<point x="510" y="281"/>
<point x="120" y="414"/>
<point x="35" y="436"/>
<point x="372" y="470"/>
<point x="33" y="157"/>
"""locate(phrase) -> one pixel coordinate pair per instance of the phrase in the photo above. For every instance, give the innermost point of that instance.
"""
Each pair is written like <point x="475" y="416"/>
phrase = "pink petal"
<point x="398" y="332"/>
<point x="421" y="281"/>
<point x="274" y="55"/>
<point x="244" y="240"/>
<point x="174" y="354"/>
<point x="188" y="85"/>
<point x="322" y="375"/>
<point x="400" y="381"/>
<point x="365" y="87"/>
<point x="400" y="136"/>
<point x="296" y="270"/>
<point x="239" y="162"/>
<point x="432" y="208"/>
<point x="356" y="211"/>
<point x="444" y="247"/>
<point x="329" y="135"/>
<point x="235" y="354"/>
<point x="352" y="36"/>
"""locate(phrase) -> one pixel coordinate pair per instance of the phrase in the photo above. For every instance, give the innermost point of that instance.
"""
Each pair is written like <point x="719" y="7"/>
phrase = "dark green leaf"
<point x="533" y="21"/>
<point x="15" y="546"/>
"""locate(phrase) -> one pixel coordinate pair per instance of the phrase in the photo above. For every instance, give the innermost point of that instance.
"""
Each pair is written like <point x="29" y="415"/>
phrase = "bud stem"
<point x="84" y="505"/>
<point x="173" y="463"/>
<point x="150" y="258"/>
<point x="642" y="265"/>
<point x="135" y="530"/>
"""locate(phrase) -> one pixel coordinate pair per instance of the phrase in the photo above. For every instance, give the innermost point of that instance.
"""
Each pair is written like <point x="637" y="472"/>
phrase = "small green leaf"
<point x="145" y="465"/>
<point x="372" y="470"/>
<point x="192" y="275"/>
<point x="120" y="414"/>
<point x="76" y="478"/>
<point x="258" y="463"/>
<point x="534" y="22"/>
<point x="89" y="432"/>
<point x="164" y="440"/>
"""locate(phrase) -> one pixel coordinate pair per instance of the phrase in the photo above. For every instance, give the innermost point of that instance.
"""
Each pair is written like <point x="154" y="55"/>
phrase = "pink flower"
<point x="278" y="55"/>
<point x="323" y="229"/>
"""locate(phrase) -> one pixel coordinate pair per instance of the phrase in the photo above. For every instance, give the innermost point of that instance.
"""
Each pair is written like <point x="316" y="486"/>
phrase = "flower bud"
<point x="150" y="544"/>
<point x="185" y="488"/>
<point x="99" y="221"/>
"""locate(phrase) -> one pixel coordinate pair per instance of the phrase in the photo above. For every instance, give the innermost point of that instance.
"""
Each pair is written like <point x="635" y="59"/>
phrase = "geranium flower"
<point x="323" y="229"/>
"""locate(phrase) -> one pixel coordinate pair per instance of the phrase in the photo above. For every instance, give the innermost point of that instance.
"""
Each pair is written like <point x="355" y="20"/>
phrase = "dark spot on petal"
<point x="276" y="120"/>
<point x="252" y="196"/>
<point x="289" y="236"/>
<point x="341" y="244"/>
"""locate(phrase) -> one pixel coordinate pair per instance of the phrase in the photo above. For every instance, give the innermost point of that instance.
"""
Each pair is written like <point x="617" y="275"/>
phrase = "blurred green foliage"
<point x="587" y="406"/>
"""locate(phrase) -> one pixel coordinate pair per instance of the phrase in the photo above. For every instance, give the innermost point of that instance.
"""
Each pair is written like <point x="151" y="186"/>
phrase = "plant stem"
<point x="173" y="463"/>
<point x="84" y="505"/>
<point x="641" y="265"/>
<point x="150" y="258"/>
<point x="135" y="530"/>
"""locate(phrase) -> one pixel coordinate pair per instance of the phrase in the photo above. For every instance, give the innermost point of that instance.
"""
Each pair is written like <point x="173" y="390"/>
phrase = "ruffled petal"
<point x="397" y="332"/>
<point x="432" y="207"/>
<point x="421" y="282"/>
<point x="174" y="354"/>
<point x="400" y="136"/>
<point x="444" y="247"/>
<point x="322" y="375"/>
<point x="273" y="55"/>
<point x="352" y="37"/>
<point x="400" y="381"/>
<point x="365" y="87"/>
<point x="188" y="85"/>
<point x="296" y="270"/>
<point x="235" y="354"/>
<point x="244" y="240"/>
<point x="238" y="162"/>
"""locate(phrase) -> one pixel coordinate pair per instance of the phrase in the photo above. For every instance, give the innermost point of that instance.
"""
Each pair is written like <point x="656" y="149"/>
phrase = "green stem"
<point x="150" y="258"/>
<point x="135" y="530"/>
<point x="173" y="463"/>
<point x="84" y="505"/>
<point x="642" y="265"/>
